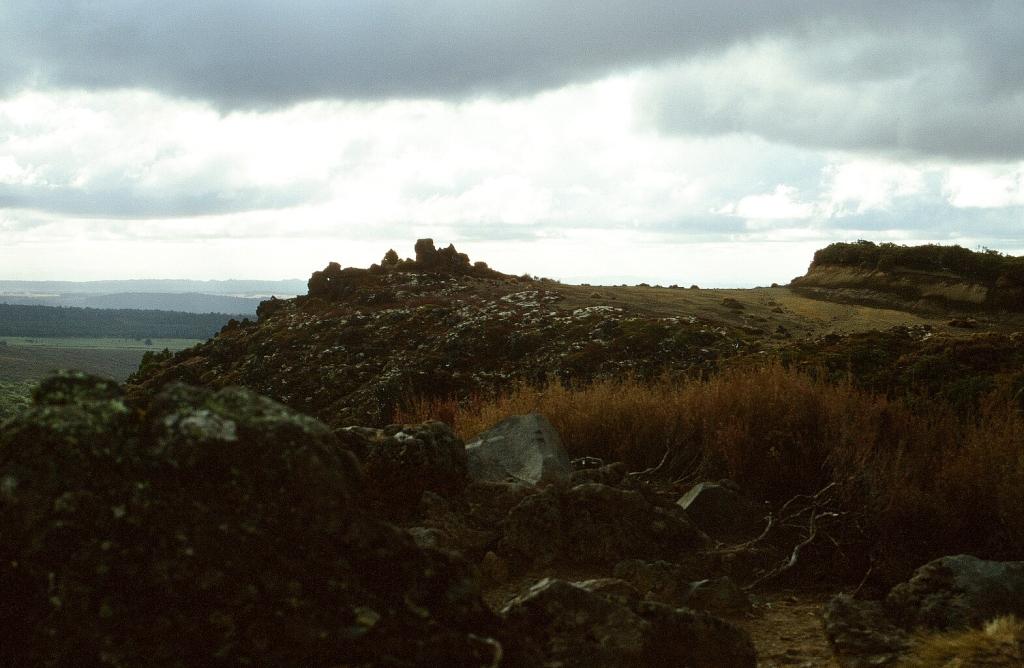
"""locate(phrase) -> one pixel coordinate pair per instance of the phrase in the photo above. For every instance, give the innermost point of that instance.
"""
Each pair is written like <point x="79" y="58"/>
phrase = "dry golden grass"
<point x="1000" y="643"/>
<point x="919" y="482"/>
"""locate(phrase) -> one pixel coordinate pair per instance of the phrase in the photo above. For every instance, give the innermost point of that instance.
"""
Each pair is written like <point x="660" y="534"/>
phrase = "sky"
<point x="604" y="141"/>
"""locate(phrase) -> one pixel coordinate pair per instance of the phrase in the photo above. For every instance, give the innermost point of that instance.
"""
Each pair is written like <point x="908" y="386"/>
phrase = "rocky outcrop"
<point x="718" y="595"/>
<point x="596" y="625"/>
<point x="596" y="524"/>
<point x="957" y="592"/>
<point x="365" y="342"/>
<point x="216" y="528"/>
<point x="404" y="461"/>
<point x="660" y="580"/>
<point x="334" y="283"/>
<point x="520" y="448"/>
<point x="722" y="512"/>
<point x="861" y="634"/>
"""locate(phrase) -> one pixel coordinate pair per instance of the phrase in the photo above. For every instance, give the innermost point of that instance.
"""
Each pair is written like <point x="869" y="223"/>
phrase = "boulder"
<point x="490" y="502"/>
<point x="595" y="524"/>
<point x="861" y="634"/>
<point x="606" y="474"/>
<point x="659" y="580"/>
<point x="722" y="512"/>
<point x="574" y="626"/>
<point x="614" y="589"/>
<point x="522" y="448"/>
<point x="216" y="528"/>
<point x="694" y="638"/>
<point x="402" y="462"/>
<point x="717" y="595"/>
<point x="957" y="592"/>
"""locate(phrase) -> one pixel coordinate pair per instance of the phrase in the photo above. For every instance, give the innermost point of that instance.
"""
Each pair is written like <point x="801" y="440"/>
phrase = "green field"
<point x="27" y="360"/>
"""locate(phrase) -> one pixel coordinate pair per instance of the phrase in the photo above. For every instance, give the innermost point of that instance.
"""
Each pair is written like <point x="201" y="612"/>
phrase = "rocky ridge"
<point x="364" y="340"/>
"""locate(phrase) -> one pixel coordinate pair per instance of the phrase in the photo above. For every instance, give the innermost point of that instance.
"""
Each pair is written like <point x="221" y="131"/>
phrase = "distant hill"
<point x="49" y="321"/>
<point x="925" y="276"/>
<point x="180" y="302"/>
<point x="240" y="288"/>
<point x="234" y="296"/>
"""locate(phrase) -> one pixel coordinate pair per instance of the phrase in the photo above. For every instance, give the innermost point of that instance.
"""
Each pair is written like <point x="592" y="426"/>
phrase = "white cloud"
<point x="862" y="184"/>
<point x="986" y="186"/>
<point x="173" y="181"/>
<point x="781" y="204"/>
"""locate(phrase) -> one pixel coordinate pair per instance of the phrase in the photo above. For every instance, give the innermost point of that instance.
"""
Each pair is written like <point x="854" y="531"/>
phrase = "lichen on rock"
<point x="215" y="528"/>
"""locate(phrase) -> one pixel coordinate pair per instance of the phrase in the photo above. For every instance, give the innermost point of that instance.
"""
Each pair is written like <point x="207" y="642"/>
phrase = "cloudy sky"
<point x="671" y="141"/>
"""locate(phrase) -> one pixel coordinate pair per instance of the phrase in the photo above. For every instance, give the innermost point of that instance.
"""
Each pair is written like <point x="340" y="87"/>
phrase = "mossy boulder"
<point x="215" y="528"/>
<point x="402" y="461"/>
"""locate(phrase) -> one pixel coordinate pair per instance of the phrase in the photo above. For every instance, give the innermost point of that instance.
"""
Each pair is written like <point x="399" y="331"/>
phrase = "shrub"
<point x="918" y="482"/>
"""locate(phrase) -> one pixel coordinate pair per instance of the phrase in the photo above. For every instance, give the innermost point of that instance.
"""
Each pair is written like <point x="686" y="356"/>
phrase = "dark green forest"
<point x="60" y="321"/>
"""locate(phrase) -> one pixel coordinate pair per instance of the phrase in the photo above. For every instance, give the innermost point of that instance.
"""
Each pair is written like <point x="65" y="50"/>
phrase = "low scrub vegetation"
<point x="985" y="266"/>
<point x="14" y="397"/>
<point x="911" y="482"/>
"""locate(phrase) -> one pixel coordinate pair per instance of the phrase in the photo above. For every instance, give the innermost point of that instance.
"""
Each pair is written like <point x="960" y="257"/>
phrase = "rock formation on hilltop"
<point x="364" y="340"/>
<point x="333" y="282"/>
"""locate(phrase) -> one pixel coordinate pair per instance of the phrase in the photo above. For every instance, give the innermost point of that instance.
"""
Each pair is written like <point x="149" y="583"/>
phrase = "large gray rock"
<point x="722" y="512"/>
<point x="580" y="626"/>
<point x="957" y="592"/>
<point x="522" y="448"/>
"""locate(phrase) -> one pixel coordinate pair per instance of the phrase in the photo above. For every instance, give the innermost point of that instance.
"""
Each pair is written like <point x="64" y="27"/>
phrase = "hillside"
<point x="922" y="277"/>
<point x="365" y="342"/>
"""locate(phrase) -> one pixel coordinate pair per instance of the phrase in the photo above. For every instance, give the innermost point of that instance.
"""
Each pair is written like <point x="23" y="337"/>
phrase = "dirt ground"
<point x="787" y="630"/>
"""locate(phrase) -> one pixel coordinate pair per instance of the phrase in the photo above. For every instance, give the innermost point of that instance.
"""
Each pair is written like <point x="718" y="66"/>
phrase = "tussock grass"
<point x="916" y="482"/>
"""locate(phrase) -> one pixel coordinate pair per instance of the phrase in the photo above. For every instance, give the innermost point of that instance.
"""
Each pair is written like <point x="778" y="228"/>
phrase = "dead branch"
<point x="794" y="557"/>
<point x="654" y="469"/>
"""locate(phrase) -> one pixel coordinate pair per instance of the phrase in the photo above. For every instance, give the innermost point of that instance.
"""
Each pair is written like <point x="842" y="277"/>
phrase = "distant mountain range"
<point x="231" y="296"/>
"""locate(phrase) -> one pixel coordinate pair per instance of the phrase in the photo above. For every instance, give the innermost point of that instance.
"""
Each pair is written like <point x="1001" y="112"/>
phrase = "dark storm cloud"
<point x="949" y="110"/>
<point x="267" y="53"/>
<point x="922" y="77"/>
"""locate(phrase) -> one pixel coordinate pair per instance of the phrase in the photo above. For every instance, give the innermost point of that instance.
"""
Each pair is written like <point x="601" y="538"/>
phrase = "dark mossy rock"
<point x="593" y="624"/>
<point x="402" y="462"/>
<point x="216" y="528"/>
<point x="595" y="524"/>
<point x="958" y="592"/>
